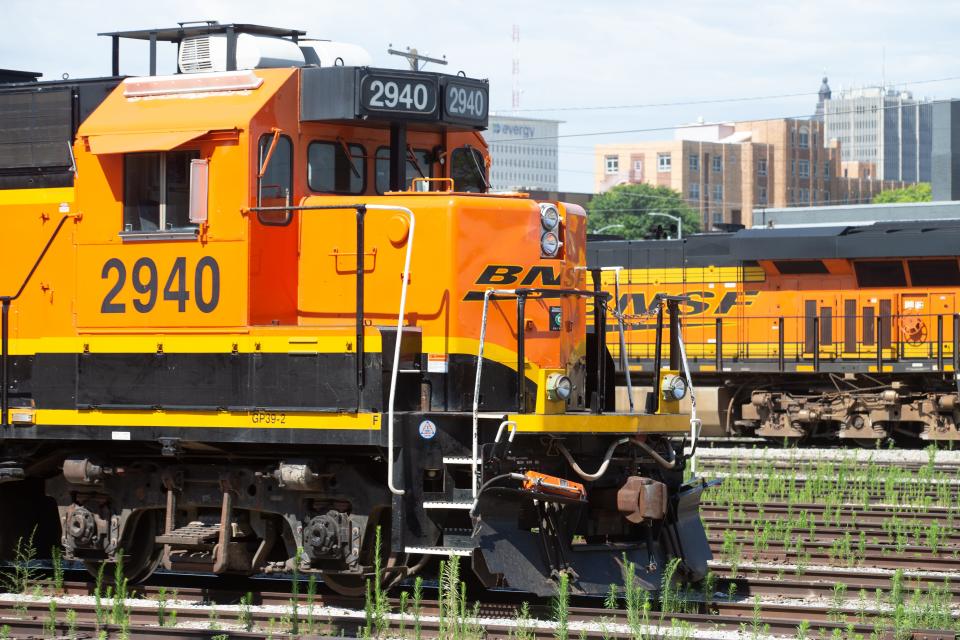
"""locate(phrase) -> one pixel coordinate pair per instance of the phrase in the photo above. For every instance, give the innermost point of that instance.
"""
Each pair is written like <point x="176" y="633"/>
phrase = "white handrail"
<point x="506" y="424"/>
<point x="396" y="347"/>
<point x="695" y="422"/>
<point x="476" y="385"/>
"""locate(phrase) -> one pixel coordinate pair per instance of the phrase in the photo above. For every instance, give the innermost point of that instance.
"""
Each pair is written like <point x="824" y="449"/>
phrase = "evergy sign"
<point x="517" y="131"/>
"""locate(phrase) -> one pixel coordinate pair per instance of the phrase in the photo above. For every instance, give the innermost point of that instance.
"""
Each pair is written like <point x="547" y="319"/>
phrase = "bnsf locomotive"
<point x="263" y="308"/>
<point x="845" y="331"/>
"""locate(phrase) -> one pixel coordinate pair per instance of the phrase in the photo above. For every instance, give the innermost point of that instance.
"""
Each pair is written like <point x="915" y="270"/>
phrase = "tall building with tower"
<point x="822" y="96"/>
<point x="883" y="133"/>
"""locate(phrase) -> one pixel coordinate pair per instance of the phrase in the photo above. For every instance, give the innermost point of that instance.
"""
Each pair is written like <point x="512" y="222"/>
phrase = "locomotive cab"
<point x="287" y="314"/>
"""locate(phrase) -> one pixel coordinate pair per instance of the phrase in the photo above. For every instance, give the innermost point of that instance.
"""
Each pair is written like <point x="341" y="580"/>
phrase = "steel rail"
<point x="910" y="557"/>
<point x="806" y="582"/>
<point x="876" y="514"/>
<point x="949" y="540"/>
<point x="770" y="616"/>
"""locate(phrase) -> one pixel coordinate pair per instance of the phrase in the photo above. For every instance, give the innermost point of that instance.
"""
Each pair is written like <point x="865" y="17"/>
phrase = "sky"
<point x="574" y="56"/>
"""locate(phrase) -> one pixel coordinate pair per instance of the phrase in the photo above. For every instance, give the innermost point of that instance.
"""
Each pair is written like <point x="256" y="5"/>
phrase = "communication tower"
<point x="516" y="67"/>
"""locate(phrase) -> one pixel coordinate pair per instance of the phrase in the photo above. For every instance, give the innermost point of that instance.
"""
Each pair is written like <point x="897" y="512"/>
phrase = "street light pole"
<point x="609" y="226"/>
<point x="676" y="219"/>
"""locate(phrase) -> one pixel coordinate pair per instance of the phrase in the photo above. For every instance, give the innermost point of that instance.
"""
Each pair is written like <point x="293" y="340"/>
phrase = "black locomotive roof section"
<point x="12" y="75"/>
<point x="701" y="250"/>
<point x="805" y="243"/>
<point x="921" y="238"/>
<point x="187" y="30"/>
<point x="912" y="239"/>
<point x="38" y="122"/>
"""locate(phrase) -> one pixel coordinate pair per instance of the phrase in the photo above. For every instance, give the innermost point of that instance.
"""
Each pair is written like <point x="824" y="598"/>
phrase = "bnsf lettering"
<point x="697" y="302"/>
<point x="692" y="306"/>
<point x="637" y="303"/>
<point x="545" y="274"/>
<point x="730" y="300"/>
<point x="510" y="274"/>
<point x="499" y="274"/>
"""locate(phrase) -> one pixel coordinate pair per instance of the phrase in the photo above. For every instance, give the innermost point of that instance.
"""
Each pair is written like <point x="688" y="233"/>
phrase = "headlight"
<point x="549" y="216"/>
<point x="549" y="244"/>
<point x="559" y="387"/>
<point x="673" y="387"/>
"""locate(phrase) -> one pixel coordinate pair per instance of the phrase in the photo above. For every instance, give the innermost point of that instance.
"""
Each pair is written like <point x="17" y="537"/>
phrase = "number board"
<point x="466" y="101"/>
<point x="399" y="94"/>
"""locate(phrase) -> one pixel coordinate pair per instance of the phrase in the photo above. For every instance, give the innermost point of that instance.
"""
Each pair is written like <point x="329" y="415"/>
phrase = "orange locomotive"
<point x="268" y="304"/>
<point x="848" y="332"/>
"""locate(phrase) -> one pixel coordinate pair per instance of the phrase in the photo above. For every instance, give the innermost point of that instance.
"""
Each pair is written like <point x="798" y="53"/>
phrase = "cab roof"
<point x="124" y="116"/>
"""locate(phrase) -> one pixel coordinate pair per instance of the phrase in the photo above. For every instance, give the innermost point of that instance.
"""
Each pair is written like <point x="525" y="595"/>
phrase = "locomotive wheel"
<point x="345" y="584"/>
<point x="141" y="556"/>
<point x="354" y="585"/>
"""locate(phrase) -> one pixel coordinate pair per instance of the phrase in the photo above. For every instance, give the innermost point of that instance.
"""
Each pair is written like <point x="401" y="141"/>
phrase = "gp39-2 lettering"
<point x="268" y="417"/>
<point x="145" y="279"/>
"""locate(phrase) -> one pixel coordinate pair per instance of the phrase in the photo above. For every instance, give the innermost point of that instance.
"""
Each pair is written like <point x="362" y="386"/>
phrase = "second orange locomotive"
<point x="845" y="331"/>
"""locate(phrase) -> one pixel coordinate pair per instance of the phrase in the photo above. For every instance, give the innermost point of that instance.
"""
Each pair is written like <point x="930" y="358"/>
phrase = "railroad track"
<point x="771" y="588"/>
<point x="823" y="532"/>
<point x="909" y="557"/>
<point x="772" y="580"/>
<point x="891" y="537"/>
<point x="903" y="458"/>
<point x="858" y="481"/>
<point x="874" y="515"/>
<point x="196" y="616"/>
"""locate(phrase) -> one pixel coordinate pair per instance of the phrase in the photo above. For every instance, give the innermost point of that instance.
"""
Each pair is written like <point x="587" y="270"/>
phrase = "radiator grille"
<point x="195" y="55"/>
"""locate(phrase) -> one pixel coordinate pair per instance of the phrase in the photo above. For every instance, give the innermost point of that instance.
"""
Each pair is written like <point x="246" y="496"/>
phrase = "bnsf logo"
<point x="500" y="275"/>
<point x="695" y="302"/>
<point x="510" y="274"/>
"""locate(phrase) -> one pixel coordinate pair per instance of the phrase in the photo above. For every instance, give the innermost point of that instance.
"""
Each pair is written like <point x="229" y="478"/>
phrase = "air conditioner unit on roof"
<point x="209" y="53"/>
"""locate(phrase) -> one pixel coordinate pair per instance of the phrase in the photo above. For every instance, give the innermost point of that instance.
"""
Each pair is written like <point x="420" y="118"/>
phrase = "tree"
<point x="919" y="192"/>
<point x="629" y="204"/>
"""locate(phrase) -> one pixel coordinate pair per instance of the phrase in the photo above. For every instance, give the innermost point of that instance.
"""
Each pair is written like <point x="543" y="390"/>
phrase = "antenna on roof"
<point x="415" y="58"/>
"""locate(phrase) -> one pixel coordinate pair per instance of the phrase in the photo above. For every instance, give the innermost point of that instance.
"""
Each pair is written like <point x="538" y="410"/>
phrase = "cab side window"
<point x="418" y="166"/>
<point x="277" y="180"/>
<point x="467" y="170"/>
<point x="156" y="191"/>
<point x="331" y="170"/>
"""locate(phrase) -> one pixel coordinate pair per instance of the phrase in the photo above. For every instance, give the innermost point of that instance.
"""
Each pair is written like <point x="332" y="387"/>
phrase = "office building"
<point x="945" y="179"/>
<point x="883" y="133"/>
<point x="523" y="153"/>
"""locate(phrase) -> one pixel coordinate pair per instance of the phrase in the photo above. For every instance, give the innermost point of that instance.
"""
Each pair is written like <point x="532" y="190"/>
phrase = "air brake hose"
<point x="666" y="464"/>
<point x="603" y="466"/>
<point x="486" y="485"/>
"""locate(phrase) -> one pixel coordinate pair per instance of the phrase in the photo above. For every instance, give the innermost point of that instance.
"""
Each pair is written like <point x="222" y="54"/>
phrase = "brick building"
<point x="726" y="171"/>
